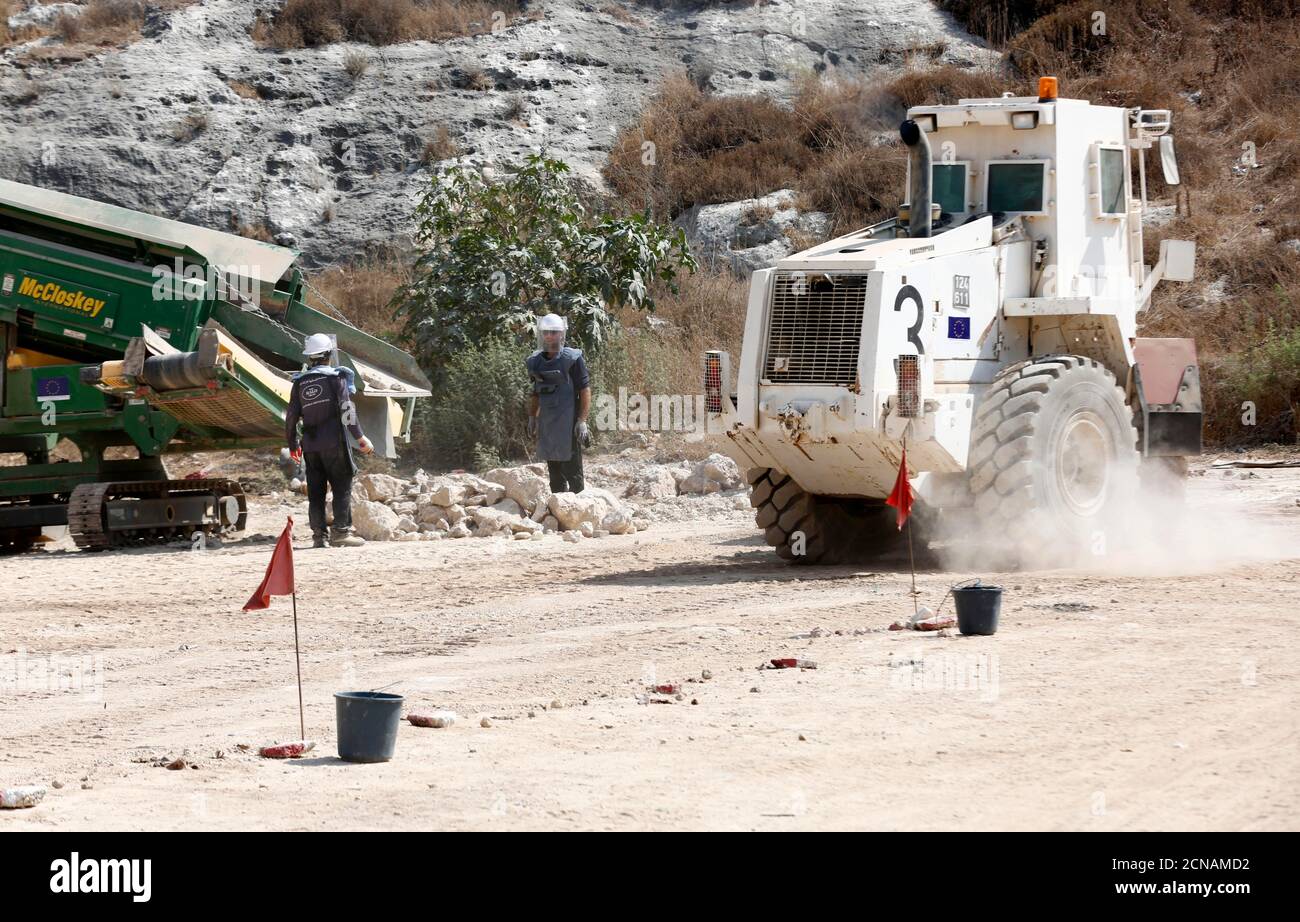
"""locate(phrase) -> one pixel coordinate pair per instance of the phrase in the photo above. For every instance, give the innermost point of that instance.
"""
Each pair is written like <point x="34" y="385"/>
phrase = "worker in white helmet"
<point x="322" y="400"/>
<point x="557" y="411"/>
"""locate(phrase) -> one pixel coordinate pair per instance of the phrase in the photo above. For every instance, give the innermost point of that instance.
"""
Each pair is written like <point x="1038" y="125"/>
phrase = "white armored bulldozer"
<point x="990" y="327"/>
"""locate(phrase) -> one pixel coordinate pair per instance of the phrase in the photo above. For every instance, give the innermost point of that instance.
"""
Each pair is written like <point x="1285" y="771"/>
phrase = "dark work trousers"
<point x="329" y="470"/>
<point x="567" y="475"/>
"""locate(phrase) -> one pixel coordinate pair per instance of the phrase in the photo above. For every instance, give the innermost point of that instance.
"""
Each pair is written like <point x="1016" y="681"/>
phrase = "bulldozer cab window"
<point x="1111" y="169"/>
<point x="950" y="186"/>
<point x="1016" y="186"/>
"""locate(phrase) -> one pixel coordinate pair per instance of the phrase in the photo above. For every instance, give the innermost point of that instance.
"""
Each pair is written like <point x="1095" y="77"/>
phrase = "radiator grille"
<point x="713" y="382"/>
<point x="814" y="329"/>
<point x="909" y="386"/>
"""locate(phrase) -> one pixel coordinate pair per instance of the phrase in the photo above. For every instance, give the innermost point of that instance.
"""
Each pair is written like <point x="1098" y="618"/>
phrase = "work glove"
<point x="366" y="445"/>
<point x="296" y="456"/>
<point x="582" y="434"/>
<point x="532" y="427"/>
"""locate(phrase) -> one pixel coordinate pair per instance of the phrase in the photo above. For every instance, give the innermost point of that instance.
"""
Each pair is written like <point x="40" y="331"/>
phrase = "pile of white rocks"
<point x="506" y="502"/>
<point x="624" y="495"/>
<point x="715" y="474"/>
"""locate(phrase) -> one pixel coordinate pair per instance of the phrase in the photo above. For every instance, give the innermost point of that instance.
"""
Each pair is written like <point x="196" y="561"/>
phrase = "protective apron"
<point x="557" y="402"/>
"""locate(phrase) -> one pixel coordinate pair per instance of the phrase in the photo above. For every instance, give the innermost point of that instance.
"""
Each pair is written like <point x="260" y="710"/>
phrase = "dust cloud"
<point x="1161" y="525"/>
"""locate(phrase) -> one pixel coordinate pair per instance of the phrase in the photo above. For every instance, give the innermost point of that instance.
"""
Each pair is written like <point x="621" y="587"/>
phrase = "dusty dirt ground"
<point x="1134" y="696"/>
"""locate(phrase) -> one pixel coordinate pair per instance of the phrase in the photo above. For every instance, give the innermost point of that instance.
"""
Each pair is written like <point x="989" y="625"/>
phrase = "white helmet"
<point x="318" y="344"/>
<point x="550" y="332"/>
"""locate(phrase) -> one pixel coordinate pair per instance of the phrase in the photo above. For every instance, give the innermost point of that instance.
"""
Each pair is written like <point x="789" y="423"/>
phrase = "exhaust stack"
<point x="919" y="189"/>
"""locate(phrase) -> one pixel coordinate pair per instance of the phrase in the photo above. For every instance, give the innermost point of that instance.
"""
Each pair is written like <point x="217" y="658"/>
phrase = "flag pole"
<point x="302" y="725"/>
<point x="901" y="499"/>
<point x="911" y="560"/>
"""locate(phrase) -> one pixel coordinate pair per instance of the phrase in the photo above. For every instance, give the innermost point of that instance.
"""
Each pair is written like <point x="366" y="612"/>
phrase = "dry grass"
<point x="355" y="64"/>
<point x="191" y="126"/>
<point x="311" y="23"/>
<point x="663" y="353"/>
<point x="257" y="231"/>
<point x="835" y="144"/>
<point x="622" y="14"/>
<point x="442" y="146"/>
<point x="10" y="37"/>
<point x="101" y="23"/>
<point x="1243" y="58"/>
<point x="244" y="90"/>
<point x="476" y="78"/>
<point x="361" y="293"/>
<point x="109" y="22"/>
<point x="948" y="83"/>
<point x="999" y="20"/>
<point x="515" y="109"/>
<point x="691" y="148"/>
<point x="708" y="312"/>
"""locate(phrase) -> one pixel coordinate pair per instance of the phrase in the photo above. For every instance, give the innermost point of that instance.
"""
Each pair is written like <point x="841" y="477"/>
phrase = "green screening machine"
<point x="131" y="336"/>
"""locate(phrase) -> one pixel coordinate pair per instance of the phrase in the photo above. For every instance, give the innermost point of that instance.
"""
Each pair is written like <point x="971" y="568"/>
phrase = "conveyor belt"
<point x="229" y="409"/>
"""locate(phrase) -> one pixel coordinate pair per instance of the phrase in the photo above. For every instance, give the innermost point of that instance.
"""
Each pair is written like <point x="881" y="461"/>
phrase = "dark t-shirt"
<point x="581" y="378"/>
<point x="322" y="401"/>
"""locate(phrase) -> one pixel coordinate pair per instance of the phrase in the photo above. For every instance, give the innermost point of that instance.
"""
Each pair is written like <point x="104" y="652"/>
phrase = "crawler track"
<point x="88" y="520"/>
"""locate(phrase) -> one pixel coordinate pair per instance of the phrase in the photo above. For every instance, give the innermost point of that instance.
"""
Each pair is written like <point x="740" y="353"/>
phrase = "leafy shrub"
<point x="494" y="254"/>
<point x="1268" y="377"/>
<point x="480" y="413"/>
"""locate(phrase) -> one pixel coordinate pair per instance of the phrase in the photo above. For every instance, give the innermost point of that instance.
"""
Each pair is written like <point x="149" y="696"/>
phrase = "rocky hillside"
<point x="327" y="147"/>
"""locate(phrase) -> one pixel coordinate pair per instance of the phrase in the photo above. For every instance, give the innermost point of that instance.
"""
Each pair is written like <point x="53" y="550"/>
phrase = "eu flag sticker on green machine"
<point x="54" y="388"/>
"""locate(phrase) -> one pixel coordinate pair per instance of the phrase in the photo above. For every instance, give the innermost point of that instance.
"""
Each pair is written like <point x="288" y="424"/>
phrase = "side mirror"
<point x="1179" y="258"/>
<point x="1168" y="162"/>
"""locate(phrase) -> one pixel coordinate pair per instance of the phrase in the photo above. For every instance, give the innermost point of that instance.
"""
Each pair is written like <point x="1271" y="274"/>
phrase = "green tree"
<point x="496" y="254"/>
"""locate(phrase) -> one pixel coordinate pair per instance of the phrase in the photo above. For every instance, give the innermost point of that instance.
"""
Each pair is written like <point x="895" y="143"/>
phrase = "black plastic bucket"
<point x="978" y="608"/>
<point x="367" y="725"/>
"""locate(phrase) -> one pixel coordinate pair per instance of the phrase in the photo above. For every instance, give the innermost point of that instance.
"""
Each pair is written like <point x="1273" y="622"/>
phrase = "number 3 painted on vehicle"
<point x="909" y="293"/>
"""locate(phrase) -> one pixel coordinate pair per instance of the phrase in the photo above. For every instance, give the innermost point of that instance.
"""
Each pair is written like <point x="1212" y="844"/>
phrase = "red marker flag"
<point x="901" y="498"/>
<point x="279" y="575"/>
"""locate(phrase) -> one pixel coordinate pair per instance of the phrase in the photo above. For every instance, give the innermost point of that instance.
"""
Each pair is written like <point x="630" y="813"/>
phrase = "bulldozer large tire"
<point x="1053" y="455"/>
<point x="833" y="530"/>
<point x="782" y="510"/>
